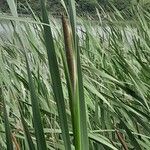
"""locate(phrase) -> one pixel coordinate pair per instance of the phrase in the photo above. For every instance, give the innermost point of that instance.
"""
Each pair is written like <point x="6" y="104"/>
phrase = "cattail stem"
<point x="120" y="137"/>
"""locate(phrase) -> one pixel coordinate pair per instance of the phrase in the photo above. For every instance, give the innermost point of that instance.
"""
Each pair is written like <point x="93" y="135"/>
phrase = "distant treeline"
<point x="83" y="6"/>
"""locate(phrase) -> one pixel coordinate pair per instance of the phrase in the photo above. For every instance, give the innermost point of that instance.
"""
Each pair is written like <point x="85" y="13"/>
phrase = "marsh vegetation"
<point x="74" y="84"/>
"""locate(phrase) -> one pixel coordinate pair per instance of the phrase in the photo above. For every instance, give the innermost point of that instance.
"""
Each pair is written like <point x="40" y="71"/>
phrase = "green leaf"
<point x="41" y="142"/>
<point x="8" y="133"/>
<point x="55" y="76"/>
<point x="26" y="131"/>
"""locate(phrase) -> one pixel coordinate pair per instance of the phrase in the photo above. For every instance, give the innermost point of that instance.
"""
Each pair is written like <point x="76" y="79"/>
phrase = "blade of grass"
<point x="55" y="75"/>
<point x="39" y="133"/>
<point x="8" y="133"/>
<point x="26" y="131"/>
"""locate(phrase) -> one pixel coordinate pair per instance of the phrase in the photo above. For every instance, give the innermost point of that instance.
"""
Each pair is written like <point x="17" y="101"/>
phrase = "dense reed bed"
<point x="75" y="84"/>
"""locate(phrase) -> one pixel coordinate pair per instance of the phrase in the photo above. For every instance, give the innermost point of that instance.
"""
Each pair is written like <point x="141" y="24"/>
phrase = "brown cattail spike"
<point x="69" y="50"/>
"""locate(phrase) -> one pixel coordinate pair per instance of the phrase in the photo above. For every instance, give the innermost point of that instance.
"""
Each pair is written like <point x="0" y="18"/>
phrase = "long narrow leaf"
<point x="55" y="75"/>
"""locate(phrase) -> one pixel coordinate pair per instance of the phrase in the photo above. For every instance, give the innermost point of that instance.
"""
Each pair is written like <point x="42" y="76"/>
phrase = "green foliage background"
<point x="109" y="107"/>
<point x="86" y="6"/>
